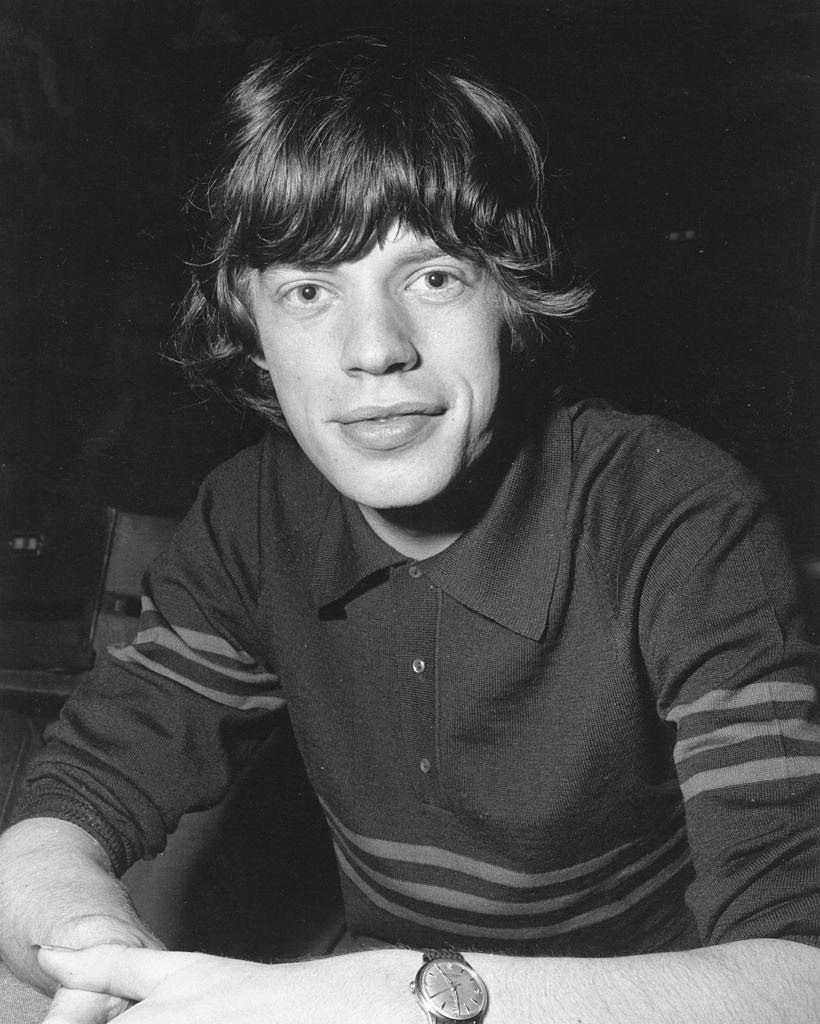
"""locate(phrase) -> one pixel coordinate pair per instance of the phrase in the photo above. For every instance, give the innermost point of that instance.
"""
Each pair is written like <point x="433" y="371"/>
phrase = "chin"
<point x="386" y="501"/>
<point x="386" y="493"/>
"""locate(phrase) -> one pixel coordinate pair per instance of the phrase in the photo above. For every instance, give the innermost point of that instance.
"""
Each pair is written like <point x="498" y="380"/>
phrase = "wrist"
<point x="449" y="988"/>
<point x="507" y="979"/>
<point x="377" y="978"/>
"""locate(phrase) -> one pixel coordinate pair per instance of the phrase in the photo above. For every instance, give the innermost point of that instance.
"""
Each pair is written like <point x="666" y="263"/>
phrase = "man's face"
<point x="387" y="367"/>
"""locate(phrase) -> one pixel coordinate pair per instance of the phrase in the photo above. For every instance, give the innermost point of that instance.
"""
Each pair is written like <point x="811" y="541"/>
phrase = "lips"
<point x="385" y="428"/>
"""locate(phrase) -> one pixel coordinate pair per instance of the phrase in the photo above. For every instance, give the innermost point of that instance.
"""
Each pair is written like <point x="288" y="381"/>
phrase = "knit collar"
<point x="504" y="567"/>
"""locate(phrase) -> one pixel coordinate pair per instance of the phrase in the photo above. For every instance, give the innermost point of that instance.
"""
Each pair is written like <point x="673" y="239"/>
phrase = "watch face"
<point x="451" y="990"/>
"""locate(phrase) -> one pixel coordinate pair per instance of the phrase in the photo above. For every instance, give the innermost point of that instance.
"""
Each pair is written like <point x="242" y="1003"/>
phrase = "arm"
<point x="56" y="886"/>
<point x="96" y="798"/>
<point x="772" y="980"/>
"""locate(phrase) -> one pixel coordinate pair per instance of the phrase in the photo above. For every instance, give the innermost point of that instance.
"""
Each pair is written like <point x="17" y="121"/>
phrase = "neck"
<point x="409" y="533"/>
<point x="422" y="531"/>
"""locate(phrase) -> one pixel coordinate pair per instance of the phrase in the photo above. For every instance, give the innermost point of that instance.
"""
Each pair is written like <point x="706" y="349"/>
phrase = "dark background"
<point x="682" y="156"/>
<point x="682" y="159"/>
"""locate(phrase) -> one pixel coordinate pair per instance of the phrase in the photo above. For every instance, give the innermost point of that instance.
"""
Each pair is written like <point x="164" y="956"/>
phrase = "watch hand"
<point x="434" y="994"/>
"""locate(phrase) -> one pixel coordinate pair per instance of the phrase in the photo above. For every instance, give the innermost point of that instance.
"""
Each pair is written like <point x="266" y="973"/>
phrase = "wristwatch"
<point x="449" y="989"/>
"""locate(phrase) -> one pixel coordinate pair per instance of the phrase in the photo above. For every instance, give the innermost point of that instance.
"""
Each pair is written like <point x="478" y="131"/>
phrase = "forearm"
<point x="56" y="887"/>
<point x="766" y="979"/>
<point x="751" y="981"/>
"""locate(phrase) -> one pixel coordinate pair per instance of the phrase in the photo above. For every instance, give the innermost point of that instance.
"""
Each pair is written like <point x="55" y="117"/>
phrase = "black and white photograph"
<point x="409" y="512"/>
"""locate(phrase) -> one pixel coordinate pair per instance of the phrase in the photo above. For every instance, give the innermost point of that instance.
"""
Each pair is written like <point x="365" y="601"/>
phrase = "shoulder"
<point x="264" y="497"/>
<point x="273" y="471"/>
<point x="258" y="504"/>
<point x="647" y="493"/>
<point x="642" y="466"/>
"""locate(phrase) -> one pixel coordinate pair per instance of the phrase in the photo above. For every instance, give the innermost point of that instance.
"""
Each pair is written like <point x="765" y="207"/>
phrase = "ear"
<point x="247" y="282"/>
<point x="259" y="359"/>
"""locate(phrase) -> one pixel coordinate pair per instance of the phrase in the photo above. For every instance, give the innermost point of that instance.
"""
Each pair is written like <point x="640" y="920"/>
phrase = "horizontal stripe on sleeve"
<point x="204" y="662"/>
<point x="751" y="773"/>
<point x="164" y="638"/>
<point x="742" y="732"/>
<point x="768" y="691"/>
<point x="199" y="641"/>
<point x="244" y="702"/>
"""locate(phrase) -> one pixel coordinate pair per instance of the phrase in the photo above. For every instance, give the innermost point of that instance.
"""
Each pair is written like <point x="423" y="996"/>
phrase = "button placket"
<point x="417" y="607"/>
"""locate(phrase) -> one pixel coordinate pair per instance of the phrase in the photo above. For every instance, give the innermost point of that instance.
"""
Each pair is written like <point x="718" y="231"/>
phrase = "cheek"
<point x="288" y="375"/>
<point x="305" y="397"/>
<point x="488" y="398"/>
<point x="484" y="378"/>
<point x="288" y="385"/>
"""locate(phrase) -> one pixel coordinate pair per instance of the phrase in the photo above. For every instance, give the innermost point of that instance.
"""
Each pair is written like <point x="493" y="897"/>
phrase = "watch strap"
<point x="442" y="953"/>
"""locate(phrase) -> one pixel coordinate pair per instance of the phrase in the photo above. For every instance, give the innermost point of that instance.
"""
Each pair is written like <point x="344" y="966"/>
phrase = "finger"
<point x="116" y="970"/>
<point x="73" y="1006"/>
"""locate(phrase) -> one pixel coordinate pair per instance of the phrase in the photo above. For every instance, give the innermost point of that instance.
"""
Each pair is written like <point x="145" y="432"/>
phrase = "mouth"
<point x="387" y="427"/>
<point x="386" y="412"/>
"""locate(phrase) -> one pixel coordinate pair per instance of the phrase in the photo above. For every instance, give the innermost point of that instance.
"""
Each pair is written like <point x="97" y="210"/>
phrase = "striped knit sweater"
<point x="587" y="727"/>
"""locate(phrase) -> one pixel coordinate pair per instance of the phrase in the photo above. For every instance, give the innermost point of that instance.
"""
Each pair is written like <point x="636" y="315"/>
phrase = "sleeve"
<point x="166" y="723"/>
<point x="737" y="681"/>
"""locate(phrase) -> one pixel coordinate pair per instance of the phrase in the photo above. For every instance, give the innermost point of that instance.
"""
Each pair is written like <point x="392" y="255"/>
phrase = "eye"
<point x="438" y="284"/>
<point x="305" y="297"/>
<point x="302" y="294"/>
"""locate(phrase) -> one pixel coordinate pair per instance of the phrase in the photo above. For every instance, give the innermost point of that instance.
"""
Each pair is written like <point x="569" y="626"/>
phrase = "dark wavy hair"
<point x="323" y="151"/>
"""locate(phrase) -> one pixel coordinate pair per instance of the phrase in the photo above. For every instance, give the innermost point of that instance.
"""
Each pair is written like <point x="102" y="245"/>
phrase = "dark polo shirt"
<point x="588" y="726"/>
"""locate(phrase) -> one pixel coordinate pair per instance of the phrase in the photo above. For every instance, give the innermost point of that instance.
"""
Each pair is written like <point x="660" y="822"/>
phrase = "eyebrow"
<point x="418" y="254"/>
<point x="423" y="252"/>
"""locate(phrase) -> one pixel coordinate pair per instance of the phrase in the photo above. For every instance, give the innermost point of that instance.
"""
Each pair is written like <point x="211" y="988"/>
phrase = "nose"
<point x="378" y="338"/>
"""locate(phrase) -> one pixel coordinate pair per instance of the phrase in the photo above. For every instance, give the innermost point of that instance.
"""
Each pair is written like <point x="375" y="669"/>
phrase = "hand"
<point x="194" y="988"/>
<point x="57" y="888"/>
<point x="75" y="1006"/>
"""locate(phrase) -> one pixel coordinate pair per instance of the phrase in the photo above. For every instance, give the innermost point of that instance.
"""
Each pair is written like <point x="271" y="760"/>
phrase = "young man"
<point x="543" y="663"/>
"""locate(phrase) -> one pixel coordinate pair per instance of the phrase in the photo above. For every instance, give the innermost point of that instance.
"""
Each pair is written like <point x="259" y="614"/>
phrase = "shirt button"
<point x="414" y="571"/>
<point x="418" y="665"/>
<point x="424" y="764"/>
